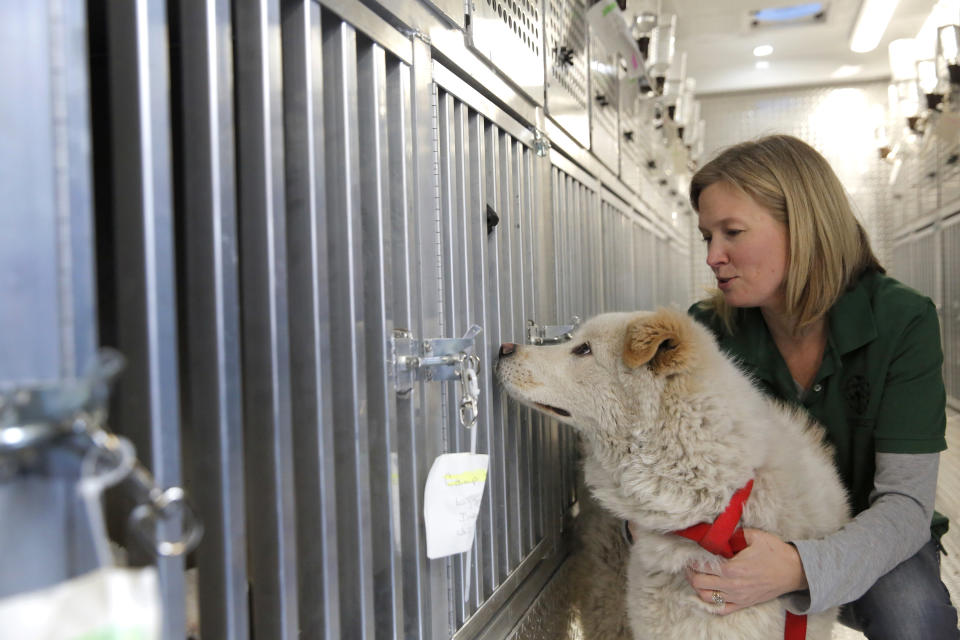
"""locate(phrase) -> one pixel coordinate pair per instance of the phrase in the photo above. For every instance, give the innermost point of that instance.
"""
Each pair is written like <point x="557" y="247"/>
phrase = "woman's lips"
<point x="724" y="283"/>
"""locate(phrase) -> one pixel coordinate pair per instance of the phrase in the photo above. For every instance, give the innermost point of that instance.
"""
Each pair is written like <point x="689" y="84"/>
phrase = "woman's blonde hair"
<point x="829" y="250"/>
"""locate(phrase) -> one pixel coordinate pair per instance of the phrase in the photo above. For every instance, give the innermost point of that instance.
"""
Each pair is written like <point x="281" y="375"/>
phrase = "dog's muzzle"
<point x="507" y="349"/>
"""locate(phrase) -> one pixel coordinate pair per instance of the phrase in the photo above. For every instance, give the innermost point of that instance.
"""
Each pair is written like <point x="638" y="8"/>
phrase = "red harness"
<point x="724" y="538"/>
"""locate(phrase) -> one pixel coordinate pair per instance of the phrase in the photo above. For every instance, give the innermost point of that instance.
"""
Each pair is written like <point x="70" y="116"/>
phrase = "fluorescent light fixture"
<point x="871" y="23"/>
<point x="846" y="71"/>
<point x="762" y="50"/>
<point x="762" y="64"/>
<point x="788" y="14"/>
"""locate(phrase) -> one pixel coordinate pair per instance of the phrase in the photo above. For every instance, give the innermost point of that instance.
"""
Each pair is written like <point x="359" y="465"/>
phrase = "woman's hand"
<point x="766" y="569"/>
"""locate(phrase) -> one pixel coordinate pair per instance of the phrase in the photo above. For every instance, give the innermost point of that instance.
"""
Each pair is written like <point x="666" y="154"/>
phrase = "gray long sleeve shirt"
<point x="842" y="566"/>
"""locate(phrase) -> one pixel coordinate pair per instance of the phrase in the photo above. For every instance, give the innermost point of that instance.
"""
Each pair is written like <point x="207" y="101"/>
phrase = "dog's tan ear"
<point x="661" y="341"/>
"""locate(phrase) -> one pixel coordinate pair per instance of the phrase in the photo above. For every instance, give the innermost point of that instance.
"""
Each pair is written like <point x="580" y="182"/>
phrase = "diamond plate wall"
<point x="832" y="119"/>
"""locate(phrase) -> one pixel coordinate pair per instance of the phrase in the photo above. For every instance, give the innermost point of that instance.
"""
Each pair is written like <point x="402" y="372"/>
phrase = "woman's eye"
<point x="734" y="232"/>
<point x="582" y="350"/>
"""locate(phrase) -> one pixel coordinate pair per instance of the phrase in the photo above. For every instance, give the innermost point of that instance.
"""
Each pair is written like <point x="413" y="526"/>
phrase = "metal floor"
<point x="948" y="503"/>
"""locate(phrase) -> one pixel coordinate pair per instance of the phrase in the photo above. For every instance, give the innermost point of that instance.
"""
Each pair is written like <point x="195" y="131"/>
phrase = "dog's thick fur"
<point x="672" y="428"/>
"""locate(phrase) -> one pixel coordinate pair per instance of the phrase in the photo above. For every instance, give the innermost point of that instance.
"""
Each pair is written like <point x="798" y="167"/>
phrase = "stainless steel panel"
<point x="48" y="331"/>
<point x="268" y="426"/>
<point x="30" y="344"/>
<point x="928" y="182"/>
<point x="632" y="125"/>
<point x="604" y="104"/>
<point x="950" y="310"/>
<point x="949" y="171"/>
<point x="509" y="33"/>
<point x="213" y="407"/>
<point x="567" y="79"/>
<point x="452" y="9"/>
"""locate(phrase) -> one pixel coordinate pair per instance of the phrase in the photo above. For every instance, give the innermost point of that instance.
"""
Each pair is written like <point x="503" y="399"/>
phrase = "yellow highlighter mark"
<point x="465" y="477"/>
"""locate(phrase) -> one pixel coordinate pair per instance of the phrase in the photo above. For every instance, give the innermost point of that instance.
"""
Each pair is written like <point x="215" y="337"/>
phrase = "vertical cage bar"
<point x="410" y="446"/>
<point x="498" y="274"/>
<point x="147" y="401"/>
<point x="265" y="323"/>
<point x="211" y="373"/>
<point x="510" y="292"/>
<point x="485" y="298"/>
<point x="429" y="318"/>
<point x="311" y="370"/>
<point x="378" y="324"/>
<point x="347" y="317"/>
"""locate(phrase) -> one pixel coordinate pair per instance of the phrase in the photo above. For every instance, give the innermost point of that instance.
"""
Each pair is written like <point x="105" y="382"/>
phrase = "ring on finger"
<point x="718" y="599"/>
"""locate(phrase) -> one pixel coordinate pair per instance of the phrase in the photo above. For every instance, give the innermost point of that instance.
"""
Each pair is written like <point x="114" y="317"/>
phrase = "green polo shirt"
<point x="880" y="385"/>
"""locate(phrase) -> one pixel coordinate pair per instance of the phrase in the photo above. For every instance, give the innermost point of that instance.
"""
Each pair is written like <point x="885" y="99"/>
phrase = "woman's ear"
<point x="662" y="342"/>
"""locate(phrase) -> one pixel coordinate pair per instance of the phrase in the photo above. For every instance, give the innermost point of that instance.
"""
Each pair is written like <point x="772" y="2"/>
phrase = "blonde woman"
<point x="806" y="307"/>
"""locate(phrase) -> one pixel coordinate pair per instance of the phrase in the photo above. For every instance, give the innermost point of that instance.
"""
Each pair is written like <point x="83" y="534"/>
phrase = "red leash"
<point x="724" y="538"/>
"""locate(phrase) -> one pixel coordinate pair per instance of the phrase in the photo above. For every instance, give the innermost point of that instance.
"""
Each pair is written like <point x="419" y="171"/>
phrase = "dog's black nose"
<point x="507" y="348"/>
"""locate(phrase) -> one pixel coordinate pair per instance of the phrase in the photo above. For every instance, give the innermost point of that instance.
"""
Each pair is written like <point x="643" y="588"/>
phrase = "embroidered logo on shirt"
<point x="857" y="392"/>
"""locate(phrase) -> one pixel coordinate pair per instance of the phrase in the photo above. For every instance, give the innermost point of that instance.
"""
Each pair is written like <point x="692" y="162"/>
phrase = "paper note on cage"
<point x="451" y="502"/>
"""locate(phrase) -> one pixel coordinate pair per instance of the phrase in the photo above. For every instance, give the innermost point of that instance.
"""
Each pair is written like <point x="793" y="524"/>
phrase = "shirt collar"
<point x="851" y="323"/>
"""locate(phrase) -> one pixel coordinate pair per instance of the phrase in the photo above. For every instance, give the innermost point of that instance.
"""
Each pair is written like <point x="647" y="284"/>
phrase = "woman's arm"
<point x="842" y="566"/>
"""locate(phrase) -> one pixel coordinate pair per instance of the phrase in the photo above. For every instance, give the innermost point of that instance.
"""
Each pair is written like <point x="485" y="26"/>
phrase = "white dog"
<point x="672" y="430"/>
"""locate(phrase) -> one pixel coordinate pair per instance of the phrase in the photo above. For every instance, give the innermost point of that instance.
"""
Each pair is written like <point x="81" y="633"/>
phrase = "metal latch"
<point x="550" y="334"/>
<point x="433" y="359"/>
<point x="32" y="417"/>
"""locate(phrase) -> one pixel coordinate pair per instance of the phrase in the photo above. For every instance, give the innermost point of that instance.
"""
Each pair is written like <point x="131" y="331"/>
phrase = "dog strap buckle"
<point x="550" y="334"/>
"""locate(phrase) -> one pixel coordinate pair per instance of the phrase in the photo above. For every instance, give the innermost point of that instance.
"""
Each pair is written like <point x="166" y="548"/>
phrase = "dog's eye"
<point x="582" y="350"/>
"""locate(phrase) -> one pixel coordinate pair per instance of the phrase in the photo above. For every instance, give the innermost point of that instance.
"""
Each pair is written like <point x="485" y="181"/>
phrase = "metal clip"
<point x="155" y="506"/>
<point x="469" y="389"/>
<point x="434" y="359"/>
<point x="34" y="417"/>
<point x="541" y="144"/>
<point x="550" y="334"/>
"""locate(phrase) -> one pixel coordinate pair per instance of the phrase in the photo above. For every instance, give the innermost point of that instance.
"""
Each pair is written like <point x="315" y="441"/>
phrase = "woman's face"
<point x="747" y="249"/>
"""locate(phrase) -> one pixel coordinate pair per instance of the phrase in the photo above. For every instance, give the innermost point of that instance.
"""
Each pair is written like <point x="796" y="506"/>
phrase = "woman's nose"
<point x="716" y="255"/>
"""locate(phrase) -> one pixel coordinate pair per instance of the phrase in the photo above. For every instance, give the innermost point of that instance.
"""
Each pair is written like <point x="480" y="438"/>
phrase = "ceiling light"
<point x="762" y="64"/>
<point x="846" y="71"/>
<point x="762" y="50"/>
<point x="788" y="14"/>
<point x="871" y="23"/>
